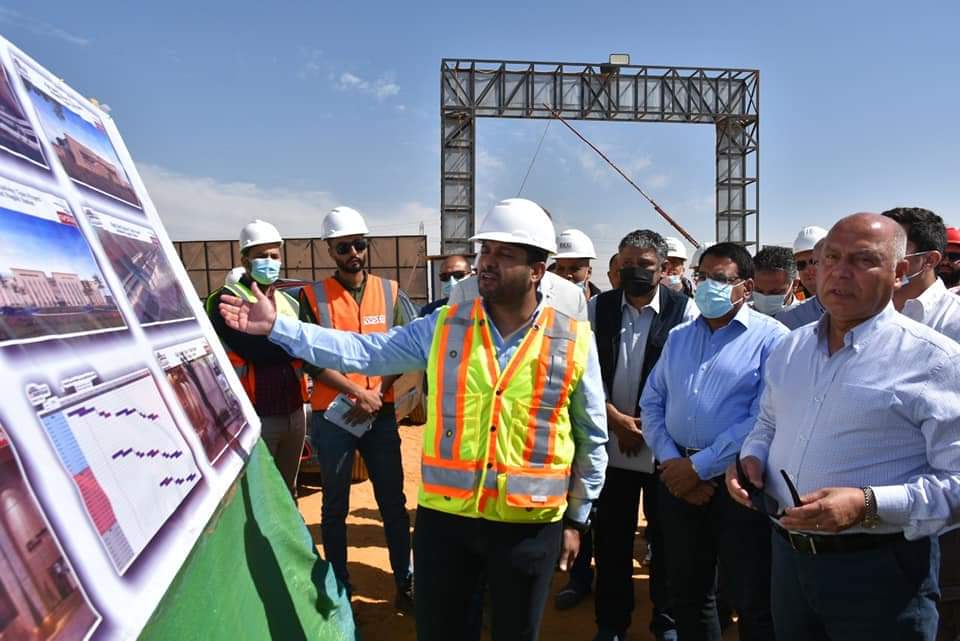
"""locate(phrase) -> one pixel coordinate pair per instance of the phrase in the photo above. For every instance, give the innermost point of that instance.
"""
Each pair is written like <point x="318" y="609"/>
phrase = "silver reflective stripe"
<point x="240" y="291"/>
<point x="443" y="476"/>
<point x="536" y="486"/>
<point x="561" y="342"/>
<point x="388" y="301"/>
<point x="323" y="308"/>
<point x="453" y="357"/>
<point x="490" y="480"/>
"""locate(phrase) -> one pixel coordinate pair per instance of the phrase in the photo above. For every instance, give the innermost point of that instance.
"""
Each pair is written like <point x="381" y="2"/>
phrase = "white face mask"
<point x="768" y="304"/>
<point x="905" y="280"/>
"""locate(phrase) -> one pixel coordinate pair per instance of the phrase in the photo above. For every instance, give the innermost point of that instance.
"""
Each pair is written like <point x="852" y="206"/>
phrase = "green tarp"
<point x="254" y="573"/>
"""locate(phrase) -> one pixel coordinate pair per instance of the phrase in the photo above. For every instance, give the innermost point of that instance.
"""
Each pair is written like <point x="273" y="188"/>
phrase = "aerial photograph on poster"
<point x="204" y="393"/>
<point x="79" y="139"/>
<point x="40" y="597"/>
<point x="50" y="283"/>
<point x="17" y="135"/>
<point x="119" y="444"/>
<point x="138" y="260"/>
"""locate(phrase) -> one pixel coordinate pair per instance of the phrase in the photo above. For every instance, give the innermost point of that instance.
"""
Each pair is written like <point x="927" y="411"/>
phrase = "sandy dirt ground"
<point x="373" y="584"/>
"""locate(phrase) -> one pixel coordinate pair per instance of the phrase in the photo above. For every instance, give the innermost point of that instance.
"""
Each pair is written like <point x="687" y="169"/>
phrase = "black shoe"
<point x="403" y="602"/>
<point x="604" y="634"/>
<point x="570" y="595"/>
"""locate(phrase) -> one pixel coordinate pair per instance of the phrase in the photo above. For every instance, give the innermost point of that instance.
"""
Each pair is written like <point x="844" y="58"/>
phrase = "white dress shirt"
<point x="936" y="308"/>
<point x="883" y="411"/>
<point x="631" y="351"/>
<point x="558" y="293"/>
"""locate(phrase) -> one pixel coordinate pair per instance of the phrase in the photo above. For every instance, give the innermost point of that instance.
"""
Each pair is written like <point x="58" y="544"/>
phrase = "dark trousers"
<point x="616" y="524"/>
<point x="695" y="537"/>
<point x="949" y="587"/>
<point x="581" y="574"/>
<point x="452" y="554"/>
<point x="888" y="593"/>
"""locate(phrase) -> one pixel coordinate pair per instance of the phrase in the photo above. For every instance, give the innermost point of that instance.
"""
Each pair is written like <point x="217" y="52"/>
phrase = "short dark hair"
<point x="646" y="239"/>
<point x="535" y="254"/>
<point x="924" y="228"/>
<point x="776" y="259"/>
<point x="736" y="253"/>
<point x="610" y="264"/>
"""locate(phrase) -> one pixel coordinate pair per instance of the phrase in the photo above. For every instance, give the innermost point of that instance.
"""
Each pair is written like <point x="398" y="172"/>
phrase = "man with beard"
<point x="949" y="268"/>
<point x="357" y="301"/>
<point x="513" y="449"/>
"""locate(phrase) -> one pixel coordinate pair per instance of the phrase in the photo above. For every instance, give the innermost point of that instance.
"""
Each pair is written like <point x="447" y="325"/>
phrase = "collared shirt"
<point x="634" y="328"/>
<point x="704" y="392"/>
<point x="806" y="312"/>
<point x="883" y="411"/>
<point x="407" y="348"/>
<point x="936" y="308"/>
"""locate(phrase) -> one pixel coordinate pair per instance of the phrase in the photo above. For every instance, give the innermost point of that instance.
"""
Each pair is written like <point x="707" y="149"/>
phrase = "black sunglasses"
<point x="360" y="244"/>
<point x="802" y="264"/>
<point x="445" y="276"/>
<point x="952" y="256"/>
<point x="762" y="501"/>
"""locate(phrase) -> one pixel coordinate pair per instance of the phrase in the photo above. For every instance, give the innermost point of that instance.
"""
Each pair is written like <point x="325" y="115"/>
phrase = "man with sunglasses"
<point x="354" y="300"/>
<point x="699" y="403"/>
<point x="869" y="435"/>
<point x="949" y="268"/>
<point x="809" y="310"/>
<point x="453" y="269"/>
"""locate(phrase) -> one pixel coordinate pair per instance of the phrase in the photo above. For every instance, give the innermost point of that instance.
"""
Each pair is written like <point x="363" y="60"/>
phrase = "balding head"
<point x="860" y="261"/>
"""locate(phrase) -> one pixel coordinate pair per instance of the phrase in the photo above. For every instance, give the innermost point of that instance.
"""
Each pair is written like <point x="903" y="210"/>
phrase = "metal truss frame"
<point x="727" y="98"/>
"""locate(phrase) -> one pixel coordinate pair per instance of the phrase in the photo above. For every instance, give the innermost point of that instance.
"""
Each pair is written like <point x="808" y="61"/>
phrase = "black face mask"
<point x="637" y="281"/>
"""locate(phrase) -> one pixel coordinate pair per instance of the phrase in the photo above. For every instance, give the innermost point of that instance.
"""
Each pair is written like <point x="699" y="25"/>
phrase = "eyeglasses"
<point x="359" y="244"/>
<point x="953" y="257"/>
<point x="802" y="264"/>
<point x="699" y="277"/>
<point x="460" y="275"/>
<point x="762" y="501"/>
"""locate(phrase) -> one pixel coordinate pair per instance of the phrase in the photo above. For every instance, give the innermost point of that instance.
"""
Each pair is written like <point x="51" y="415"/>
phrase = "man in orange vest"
<point x="514" y="445"/>
<point x="270" y="377"/>
<point x="354" y="300"/>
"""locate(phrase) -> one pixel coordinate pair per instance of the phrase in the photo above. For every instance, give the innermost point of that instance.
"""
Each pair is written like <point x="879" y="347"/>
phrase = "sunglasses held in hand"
<point x="762" y="501"/>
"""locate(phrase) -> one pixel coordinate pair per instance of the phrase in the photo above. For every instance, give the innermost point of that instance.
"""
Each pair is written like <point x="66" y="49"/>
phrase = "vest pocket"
<point x="535" y="487"/>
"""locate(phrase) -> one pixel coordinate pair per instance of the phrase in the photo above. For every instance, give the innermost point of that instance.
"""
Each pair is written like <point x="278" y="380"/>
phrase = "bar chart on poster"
<point x="123" y="424"/>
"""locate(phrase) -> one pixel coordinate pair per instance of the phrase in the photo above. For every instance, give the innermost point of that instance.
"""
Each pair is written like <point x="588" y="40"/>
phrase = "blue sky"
<point x="284" y="109"/>
<point x="36" y="243"/>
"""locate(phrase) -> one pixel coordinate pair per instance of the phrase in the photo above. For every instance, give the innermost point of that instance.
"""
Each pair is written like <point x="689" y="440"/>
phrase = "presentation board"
<point x="123" y="424"/>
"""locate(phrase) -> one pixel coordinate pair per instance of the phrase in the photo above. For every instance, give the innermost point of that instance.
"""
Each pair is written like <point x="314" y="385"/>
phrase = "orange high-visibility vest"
<point x="334" y="307"/>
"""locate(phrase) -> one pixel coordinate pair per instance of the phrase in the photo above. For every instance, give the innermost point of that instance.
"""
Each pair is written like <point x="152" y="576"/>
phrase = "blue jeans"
<point x="888" y="593"/>
<point x="380" y="449"/>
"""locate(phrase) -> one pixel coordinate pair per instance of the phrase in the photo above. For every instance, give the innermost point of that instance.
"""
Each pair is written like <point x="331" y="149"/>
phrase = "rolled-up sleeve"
<point x="588" y="418"/>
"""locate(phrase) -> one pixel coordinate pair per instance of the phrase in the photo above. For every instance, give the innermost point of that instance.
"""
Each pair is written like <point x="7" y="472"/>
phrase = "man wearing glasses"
<point x="453" y="270"/>
<point x="870" y="438"/>
<point x="805" y="252"/>
<point x="699" y="403"/>
<point x="357" y="301"/>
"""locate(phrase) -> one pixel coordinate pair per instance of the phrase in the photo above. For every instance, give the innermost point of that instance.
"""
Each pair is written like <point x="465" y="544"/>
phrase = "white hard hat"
<point x="259" y="232"/>
<point x="573" y="243"/>
<point x="518" y="221"/>
<point x="234" y="275"/>
<point x="675" y="248"/>
<point x="343" y="221"/>
<point x="808" y="238"/>
<point x="698" y="253"/>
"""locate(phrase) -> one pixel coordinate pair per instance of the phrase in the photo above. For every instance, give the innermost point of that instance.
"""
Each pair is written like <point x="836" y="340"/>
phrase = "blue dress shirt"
<point x="704" y="392"/>
<point x="806" y="312"/>
<point x="407" y="348"/>
<point x="883" y="411"/>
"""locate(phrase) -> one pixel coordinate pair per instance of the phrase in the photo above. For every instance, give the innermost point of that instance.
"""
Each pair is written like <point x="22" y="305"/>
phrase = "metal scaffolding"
<point x="727" y="98"/>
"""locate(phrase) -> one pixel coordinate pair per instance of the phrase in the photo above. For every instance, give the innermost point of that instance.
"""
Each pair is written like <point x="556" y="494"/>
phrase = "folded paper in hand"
<point x="337" y="412"/>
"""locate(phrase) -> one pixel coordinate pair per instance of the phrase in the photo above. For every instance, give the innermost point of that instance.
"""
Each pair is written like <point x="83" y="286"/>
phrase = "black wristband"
<point x="576" y="525"/>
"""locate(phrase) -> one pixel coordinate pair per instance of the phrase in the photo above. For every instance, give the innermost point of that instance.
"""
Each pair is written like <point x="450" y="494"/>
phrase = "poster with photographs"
<point x="123" y="423"/>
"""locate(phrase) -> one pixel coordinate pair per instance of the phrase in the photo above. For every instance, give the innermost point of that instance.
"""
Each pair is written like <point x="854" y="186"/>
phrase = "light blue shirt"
<point x="883" y="411"/>
<point x="407" y="348"/>
<point x="806" y="312"/>
<point x="704" y="392"/>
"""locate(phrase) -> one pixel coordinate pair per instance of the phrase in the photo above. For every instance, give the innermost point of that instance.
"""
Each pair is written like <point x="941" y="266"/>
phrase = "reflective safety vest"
<point x="335" y="308"/>
<point x="246" y="372"/>
<point x="498" y="444"/>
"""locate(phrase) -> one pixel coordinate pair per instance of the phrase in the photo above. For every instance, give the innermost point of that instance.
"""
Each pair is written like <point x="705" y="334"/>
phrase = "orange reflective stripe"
<point x="492" y="365"/>
<point x="539" y="383"/>
<point x="449" y="478"/>
<point x="564" y="393"/>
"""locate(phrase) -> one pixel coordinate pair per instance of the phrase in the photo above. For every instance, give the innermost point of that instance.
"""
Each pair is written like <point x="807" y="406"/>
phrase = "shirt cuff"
<point x="578" y="509"/>
<point x="704" y="464"/>
<point x="893" y="504"/>
<point x="283" y="328"/>
<point x="755" y="449"/>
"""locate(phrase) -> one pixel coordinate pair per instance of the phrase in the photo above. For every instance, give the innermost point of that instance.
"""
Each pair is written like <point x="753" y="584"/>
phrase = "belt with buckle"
<point x="813" y="544"/>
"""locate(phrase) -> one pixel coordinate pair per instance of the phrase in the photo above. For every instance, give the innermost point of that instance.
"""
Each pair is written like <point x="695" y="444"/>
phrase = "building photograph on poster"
<point x="119" y="444"/>
<point x="17" y="135"/>
<point x="79" y="139"/>
<point x="139" y="261"/>
<point x="204" y="393"/>
<point x="40" y="597"/>
<point x="50" y="283"/>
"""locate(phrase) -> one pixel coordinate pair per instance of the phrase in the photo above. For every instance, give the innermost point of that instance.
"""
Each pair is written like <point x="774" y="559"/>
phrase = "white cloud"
<point x="488" y="162"/>
<point x="313" y="63"/>
<point x="657" y="181"/>
<point x="40" y="27"/>
<point x="380" y="88"/>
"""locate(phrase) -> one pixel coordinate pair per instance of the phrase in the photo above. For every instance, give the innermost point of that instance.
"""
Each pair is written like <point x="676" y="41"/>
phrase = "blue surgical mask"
<point x="674" y="281"/>
<point x="447" y="287"/>
<point x="906" y="278"/>
<point x="713" y="298"/>
<point x="768" y="304"/>
<point x="265" y="270"/>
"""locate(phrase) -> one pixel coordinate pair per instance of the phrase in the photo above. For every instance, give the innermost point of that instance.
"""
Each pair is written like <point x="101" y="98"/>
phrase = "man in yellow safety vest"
<point x="514" y="446"/>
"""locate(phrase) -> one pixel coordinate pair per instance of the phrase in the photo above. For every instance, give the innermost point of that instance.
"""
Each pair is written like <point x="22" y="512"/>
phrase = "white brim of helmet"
<point x="516" y="239"/>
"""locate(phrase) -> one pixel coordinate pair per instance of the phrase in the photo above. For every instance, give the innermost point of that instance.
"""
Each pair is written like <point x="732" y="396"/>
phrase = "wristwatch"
<point x="870" y="517"/>
<point x="576" y="525"/>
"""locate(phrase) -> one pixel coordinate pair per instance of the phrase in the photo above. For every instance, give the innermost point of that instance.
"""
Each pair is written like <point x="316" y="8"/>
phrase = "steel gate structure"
<point x="729" y="99"/>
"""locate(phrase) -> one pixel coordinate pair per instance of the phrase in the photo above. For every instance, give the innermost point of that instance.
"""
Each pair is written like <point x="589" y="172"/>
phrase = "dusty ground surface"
<point x="373" y="585"/>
